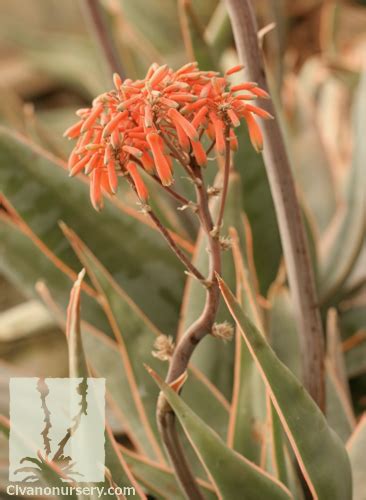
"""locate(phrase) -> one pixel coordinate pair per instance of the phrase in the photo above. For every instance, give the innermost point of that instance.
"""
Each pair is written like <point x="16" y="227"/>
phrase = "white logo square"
<point x="57" y="422"/>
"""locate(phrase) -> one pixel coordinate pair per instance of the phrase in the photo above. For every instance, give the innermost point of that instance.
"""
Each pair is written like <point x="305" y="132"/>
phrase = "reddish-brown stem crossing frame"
<point x="294" y="241"/>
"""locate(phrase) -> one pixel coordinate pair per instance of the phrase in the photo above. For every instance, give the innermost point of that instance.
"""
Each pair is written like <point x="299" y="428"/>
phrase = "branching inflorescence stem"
<point x="196" y="332"/>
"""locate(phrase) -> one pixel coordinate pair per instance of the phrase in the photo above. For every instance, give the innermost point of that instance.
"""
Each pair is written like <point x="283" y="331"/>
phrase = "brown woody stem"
<point x="102" y="34"/>
<point x="168" y="431"/>
<point x="291" y="226"/>
<point x="203" y="325"/>
<point x="187" y="344"/>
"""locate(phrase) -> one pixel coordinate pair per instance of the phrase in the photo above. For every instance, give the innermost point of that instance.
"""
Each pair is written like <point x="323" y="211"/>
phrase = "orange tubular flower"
<point x="147" y="162"/>
<point x="93" y="116"/>
<point x="254" y="132"/>
<point x="219" y="127"/>
<point x="137" y="180"/>
<point x="74" y="130"/>
<point x="161" y="162"/>
<point x="179" y="120"/>
<point x="200" y="117"/>
<point x="144" y="123"/>
<point x="234" y="69"/>
<point x="78" y="167"/>
<point x="95" y="189"/>
<point x="111" y="169"/>
<point x="199" y="153"/>
<point x="182" y="137"/>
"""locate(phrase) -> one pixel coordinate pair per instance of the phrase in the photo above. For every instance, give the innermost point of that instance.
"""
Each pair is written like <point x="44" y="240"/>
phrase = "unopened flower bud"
<point x="225" y="243"/>
<point x="223" y="331"/>
<point x="164" y="347"/>
<point x="213" y="191"/>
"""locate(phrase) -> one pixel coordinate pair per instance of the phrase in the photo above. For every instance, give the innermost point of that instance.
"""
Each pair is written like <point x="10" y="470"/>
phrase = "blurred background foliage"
<point x="50" y="65"/>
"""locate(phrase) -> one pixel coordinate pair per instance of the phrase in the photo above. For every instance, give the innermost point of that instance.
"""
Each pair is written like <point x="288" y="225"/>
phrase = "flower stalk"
<point x="196" y="332"/>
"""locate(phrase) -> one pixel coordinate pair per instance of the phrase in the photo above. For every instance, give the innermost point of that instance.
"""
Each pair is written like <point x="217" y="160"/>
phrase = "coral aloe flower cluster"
<point x="145" y="124"/>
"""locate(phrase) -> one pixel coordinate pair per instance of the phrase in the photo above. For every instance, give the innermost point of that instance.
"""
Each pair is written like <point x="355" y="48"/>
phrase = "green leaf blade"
<point x="340" y="252"/>
<point x="235" y="477"/>
<point x="37" y="185"/>
<point x="319" y="451"/>
<point x="356" y="449"/>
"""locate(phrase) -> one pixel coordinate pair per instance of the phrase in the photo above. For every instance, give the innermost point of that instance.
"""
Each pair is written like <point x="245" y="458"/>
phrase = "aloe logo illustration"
<point x="57" y="427"/>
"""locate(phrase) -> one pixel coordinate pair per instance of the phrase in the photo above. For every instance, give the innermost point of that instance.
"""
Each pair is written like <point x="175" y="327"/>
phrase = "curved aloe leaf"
<point x="114" y="461"/>
<point x="18" y="240"/>
<point x="338" y="409"/>
<point x="77" y="362"/>
<point x="106" y="360"/>
<point x="319" y="451"/>
<point x="356" y="359"/>
<point x="234" y="476"/>
<point x="250" y="414"/>
<point x="258" y="206"/>
<point x="341" y="249"/>
<point x="356" y="451"/>
<point x="308" y="155"/>
<point x="352" y="324"/>
<point x="280" y="464"/>
<point x="283" y="334"/>
<point x="335" y="351"/>
<point x="285" y="342"/>
<point x="37" y="185"/>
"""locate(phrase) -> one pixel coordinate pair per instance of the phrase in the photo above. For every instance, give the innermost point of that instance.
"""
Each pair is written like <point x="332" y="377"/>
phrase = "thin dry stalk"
<point x="293" y="235"/>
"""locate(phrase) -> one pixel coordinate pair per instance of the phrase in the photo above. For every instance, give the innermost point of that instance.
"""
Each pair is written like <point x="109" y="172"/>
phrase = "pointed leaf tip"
<point x="152" y="372"/>
<point x="80" y="278"/>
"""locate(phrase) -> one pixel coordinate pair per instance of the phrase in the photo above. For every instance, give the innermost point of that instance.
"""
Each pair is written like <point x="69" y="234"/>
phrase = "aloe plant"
<point x="212" y="349"/>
